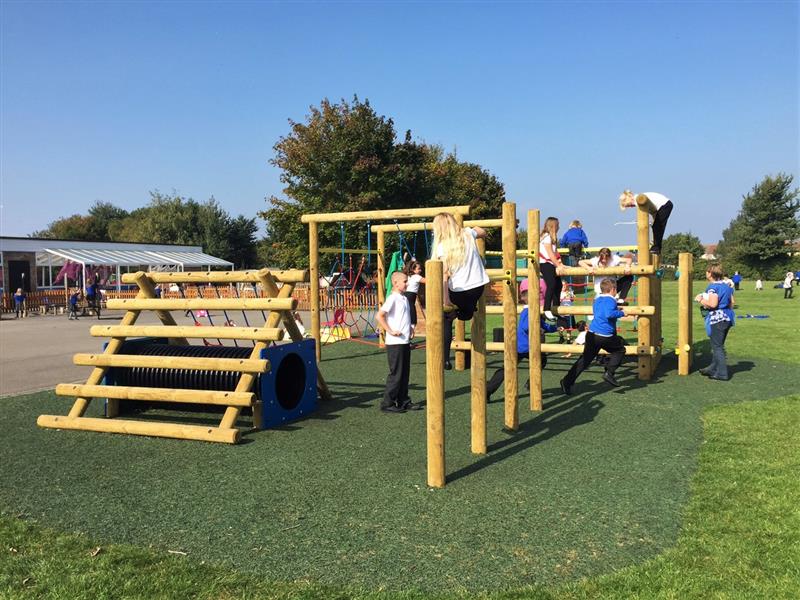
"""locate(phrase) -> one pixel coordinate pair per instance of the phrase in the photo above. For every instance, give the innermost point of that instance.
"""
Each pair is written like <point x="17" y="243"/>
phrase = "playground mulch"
<point x="596" y="482"/>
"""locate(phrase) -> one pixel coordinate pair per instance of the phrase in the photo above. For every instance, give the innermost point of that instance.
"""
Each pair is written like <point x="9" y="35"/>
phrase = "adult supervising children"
<point x="717" y="302"/>
<point x="602" y="335"/>
<point x="395" y="319"/>
<point x="659" y="207"/>
<point x="463" y="270"/>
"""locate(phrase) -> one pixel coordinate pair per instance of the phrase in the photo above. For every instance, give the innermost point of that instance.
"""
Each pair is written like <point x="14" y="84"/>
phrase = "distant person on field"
<point x="394" y="316"/>
<point x="717" y="302"/>
<point x="19" y="303"/>
<point x="602" y="335"/>
<point x="759" y="285"/>
<point x="576" y="241"/>
<point x="737" y="279"/>
<point x="787" y="285"/>
<point x="523" y="348"/>
<point x="659" y="207"/>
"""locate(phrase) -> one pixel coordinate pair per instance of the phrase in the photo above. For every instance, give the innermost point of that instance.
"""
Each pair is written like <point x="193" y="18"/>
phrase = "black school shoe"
<point x="609" y="379"/>
<point x="448" y="365"/>
<point x="409" y="405"/>
<point x="392" y="409"/>
<point x="655" y="250"/>
<point x="564" y="388"/>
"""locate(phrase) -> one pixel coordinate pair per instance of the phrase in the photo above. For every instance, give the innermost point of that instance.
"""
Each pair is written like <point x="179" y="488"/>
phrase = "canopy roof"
<point x="157" y="261"/>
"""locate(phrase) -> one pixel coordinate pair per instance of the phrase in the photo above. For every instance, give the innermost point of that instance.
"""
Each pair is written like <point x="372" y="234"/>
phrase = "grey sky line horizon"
<point x="566" y="103"/>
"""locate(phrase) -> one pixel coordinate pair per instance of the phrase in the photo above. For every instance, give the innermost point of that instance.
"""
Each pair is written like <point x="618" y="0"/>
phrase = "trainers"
<point x="392" y="409"/>
<point x="621" y="302"/>
<point x="705" y="372"/>
<point x="565" y="388"/>
<point x="655" y="250"/>
<point x="609" y="379"/>
<point x="409" y="405"/>
<point x="549" y="315"/>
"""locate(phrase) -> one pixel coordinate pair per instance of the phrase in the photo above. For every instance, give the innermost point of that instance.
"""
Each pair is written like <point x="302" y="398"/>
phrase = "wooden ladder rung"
<point x="243" y="365"/>
<point x="273" y="334"/>
<point x="154" y="429"/>
<point x="219" y="398"/>
<point x="202" y="303"/>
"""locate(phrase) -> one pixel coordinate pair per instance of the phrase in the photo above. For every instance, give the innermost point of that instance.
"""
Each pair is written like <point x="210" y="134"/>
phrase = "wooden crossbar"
<point x="173" y="362"/>
<point x="149" y="394"/>
<point x="497" y="309"/>
<point x="556" y="348"/>
<point x="153" y="429"/>
<point x="202" y="303"/>
<point x="162" y="331"/>
<point x="203" y="277"/>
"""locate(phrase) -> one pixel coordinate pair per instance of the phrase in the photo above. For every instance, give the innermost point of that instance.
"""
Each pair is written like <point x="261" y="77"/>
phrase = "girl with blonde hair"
<point x="550" y="265"/>
<point x="464" y="273"/>
<point x="659" y="207"/>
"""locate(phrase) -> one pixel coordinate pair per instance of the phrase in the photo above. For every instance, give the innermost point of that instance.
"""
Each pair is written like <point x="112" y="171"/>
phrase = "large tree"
<point x="94" y="227"/>
<point x="345" y="157"/>
<point x="680" y="242"/>
<point x="759" y="240"/>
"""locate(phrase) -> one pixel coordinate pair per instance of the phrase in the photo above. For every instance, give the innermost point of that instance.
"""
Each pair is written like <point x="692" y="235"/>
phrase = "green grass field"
<point x="678" y="487"/>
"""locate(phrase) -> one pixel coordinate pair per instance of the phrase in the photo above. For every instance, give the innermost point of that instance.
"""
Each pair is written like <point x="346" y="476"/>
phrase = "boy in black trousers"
<point x="602" y="335"/>
<point x="395" y="319"/>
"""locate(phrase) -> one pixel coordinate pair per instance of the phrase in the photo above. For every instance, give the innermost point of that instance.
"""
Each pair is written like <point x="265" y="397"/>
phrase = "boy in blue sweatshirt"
<point x="602" y="335"/>
<point x="575" y="239"/>
<point x="523" y="349"/>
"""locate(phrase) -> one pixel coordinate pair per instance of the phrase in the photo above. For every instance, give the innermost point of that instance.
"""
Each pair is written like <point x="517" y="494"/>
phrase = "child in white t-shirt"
<point x="413" y="270"/>
<point x="394" y="316"/>
<point x="659" y="207"/>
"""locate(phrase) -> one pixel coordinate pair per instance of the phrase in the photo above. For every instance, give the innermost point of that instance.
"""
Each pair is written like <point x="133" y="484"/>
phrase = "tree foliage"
<point x="167" y="219"/>
<point x="759" y="240"/>
<point x="680" y="242"/>
<point x="94" y="227"/>
<point x="345" y="157"/>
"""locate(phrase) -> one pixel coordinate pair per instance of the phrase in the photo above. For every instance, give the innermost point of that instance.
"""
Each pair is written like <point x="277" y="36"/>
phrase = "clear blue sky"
<point x="566" y="103"/>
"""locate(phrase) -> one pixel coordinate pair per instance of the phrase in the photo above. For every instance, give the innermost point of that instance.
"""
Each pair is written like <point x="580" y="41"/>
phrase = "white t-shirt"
<point x="398" y="317"/>
<point x="656" y="200"/>
<point x="413" y="283"/>
<point x="614" y="261"/>
<point x="471" y="274"/>
<point x="787" y="283"/>
<point x="544" y="243"/>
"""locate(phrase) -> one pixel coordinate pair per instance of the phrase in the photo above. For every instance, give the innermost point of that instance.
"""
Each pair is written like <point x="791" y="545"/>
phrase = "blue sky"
<point x="566" y="103"/>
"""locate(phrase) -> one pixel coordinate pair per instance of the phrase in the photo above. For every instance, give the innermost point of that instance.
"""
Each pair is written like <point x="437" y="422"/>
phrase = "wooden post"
<point x="313" y="299"/>
<point x="510" y="316"/>
<point x="685" y="349"/>
<point x="381" y="283"/>
<point x="643" y="326"/>
<point x="434" y="363"/>
<point x="460" y="326"/>
<point x="534" y="310"/>
<point x="478" y="371"/>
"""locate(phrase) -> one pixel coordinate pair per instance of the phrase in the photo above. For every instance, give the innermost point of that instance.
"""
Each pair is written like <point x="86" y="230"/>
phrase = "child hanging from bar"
<point x="523" y="349"/>
<point x="395" y="319"/>
<point x="602" y="335"/>
<point x="659" y="207"/>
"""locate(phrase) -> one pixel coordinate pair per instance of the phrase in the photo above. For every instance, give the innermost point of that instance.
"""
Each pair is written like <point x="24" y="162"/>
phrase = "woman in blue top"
<point x="717" y="301"/>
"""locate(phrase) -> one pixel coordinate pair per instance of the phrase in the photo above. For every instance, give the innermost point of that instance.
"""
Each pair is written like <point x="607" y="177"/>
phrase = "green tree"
<point x="759" y="240"/>
<point x="345" y="157"/>
<point x="94" y="227"/>
<point x="680" y="242"/>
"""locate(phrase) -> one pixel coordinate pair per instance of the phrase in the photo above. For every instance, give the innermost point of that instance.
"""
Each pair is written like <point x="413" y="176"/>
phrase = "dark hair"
<point x="580" y="325"/>
<point x="408" y="269"/>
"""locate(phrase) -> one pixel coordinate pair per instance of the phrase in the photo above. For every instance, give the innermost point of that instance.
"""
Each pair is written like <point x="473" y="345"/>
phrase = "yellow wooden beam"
<point x="149" y="394"/>
<point x="162" y="304"/>
<point x="187" y="331"/>
<point x="242" y="365"/>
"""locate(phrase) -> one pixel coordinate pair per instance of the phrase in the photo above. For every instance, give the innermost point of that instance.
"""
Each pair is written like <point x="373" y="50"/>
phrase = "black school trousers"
<point x="613" y="344"/>
<point x="396" y="392"/>
<point x="465" y="302"/>
<point x="552" y="294"/>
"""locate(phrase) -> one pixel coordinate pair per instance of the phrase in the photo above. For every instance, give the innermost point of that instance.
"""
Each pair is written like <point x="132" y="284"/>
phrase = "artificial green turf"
<point x="596" y="482"/>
